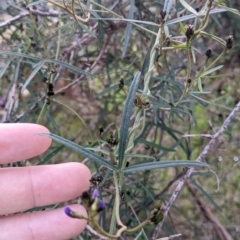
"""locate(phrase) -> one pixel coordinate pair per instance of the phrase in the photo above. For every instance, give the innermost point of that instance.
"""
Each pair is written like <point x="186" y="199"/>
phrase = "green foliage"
<point x="136" y="76"/>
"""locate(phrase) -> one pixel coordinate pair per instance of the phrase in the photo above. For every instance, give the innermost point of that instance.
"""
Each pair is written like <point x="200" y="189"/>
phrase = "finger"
<point x="28" y="187"/>
<point x="51" y="224"/>
<point x="19" y="141"/>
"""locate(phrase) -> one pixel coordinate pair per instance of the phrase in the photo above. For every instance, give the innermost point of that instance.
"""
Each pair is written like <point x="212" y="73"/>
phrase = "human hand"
<point x="22" y="188"/>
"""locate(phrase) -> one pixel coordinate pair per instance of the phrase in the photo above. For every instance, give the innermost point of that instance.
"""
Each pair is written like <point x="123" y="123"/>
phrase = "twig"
<point x="200" y="158"/>
<point x="170" y="237"/>
<point x="88" y="69"/>
<point x="25" y="14"/>
<point x="91" y="230"/>
<point x="198" y="135"/>
<point x="207" y="213"/>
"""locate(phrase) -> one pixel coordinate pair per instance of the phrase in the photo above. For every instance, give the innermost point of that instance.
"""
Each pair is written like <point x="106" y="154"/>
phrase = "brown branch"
<point x="207" y="213"/>
<point x="200" y="158"/>
<point x="26" y="14"/>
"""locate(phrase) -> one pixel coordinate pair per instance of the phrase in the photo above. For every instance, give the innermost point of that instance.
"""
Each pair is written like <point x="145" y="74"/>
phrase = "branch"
<point x="200" y="158"/>
<point x="207" y="213"/>
<point x="25" y="14"/>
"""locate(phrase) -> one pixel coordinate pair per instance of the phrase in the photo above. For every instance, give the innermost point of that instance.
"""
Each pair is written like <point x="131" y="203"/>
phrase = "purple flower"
<point x="101" y="206"/>
<point x="68" y="211"/>
<point x="95" y="193"/>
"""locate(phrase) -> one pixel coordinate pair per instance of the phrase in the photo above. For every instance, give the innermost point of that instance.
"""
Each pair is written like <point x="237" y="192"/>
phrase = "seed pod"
<point x="229" y="42"/>
<point x="189" y="31"/>
<point x="209" y="53"/>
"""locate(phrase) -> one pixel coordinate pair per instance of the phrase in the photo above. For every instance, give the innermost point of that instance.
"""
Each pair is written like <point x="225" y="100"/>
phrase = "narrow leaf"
<point x="128" y="30"/>
<point x="51" y="155"/>
<point x="114" y="87"/>
<point x="211" y="70"/>
<point x="154" y="145"/>
<point x="34" y="72"/>
<point x="164" y="164"/>
<point x="4" y="68"/>
<point x="79" y="149"/>
<point x="167" y="7"/>
<point x="57" y="62"/>
<point x="199" y="82"/>
<point x="188" y="7"/>
<point x="127" y="112"/>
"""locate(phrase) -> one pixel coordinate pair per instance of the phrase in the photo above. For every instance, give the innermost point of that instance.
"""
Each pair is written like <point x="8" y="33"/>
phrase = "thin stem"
<point x="117" y="199"/>
<point x="42" y="113"/>
<point x="60" y="103"/>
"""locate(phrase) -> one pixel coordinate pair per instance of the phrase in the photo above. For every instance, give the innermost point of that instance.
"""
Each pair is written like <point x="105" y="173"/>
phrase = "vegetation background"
<point x="88" y="53"/>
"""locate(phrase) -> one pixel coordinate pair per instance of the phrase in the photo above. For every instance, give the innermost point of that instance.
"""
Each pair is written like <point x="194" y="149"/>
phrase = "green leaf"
<point x="167" y="7"/>
<point x="70" y="67"/>
<point x="183" y="30"/>
<point x="4" y="68"/>
<point x="210" y="71"/>
<point x="51" y="155"/>
<point x="114" y="87"/>
<point x="190" y="16"/>
<point x="199" y="82"/>
<point x="127" y="112"/>
<point x="164" y="164"/>
<point x="154" y="145"/>
<point x="79" y="149"/>
<point x="128" y="29"/>
<point x="188" y="7"/>
<point x="33" y="73"/>
<point x="232" y="10"/>
<point x="132" y="155"/>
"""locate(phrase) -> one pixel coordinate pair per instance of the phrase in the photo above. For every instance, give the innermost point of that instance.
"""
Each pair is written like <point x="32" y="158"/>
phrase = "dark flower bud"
<point x="101" y="130"/>
<point x="209" y="53"/>
<point x="189" y="31"/>
<point x="100" y="206"/>
<point x="229" y="42"/>
<point x="121" y="83"/>
<point x="189" y="81"/>
<point x="163" y="14"/>
<point x="85" y="195"/>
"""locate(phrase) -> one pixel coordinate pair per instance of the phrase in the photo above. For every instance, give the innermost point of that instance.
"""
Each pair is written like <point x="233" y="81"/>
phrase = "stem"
<point x="38" y="33"/>
<point x="42" y="113"/>
<point x="89" y="133"/>
<point x="117" y="200"/>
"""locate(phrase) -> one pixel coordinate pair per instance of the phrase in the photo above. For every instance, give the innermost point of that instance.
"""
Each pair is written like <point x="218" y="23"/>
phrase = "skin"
<point x="34" y="186"/>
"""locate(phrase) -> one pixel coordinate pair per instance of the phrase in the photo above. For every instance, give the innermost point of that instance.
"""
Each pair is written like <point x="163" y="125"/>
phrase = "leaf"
<point x="190" y="16"/>
<point x="183" y="30"/>
<point x="128" y="29"/>
<point x="188" y="7"/>
<point x="199" y="82"/>
<point x="167" y="7"/>
<point x="57" y="62"/>
<point x="132" y="155"/>
<point x="164" y="164"/>
<point x="51" y="155"/>
<point x="210" y="71"/>
<point x="127" y="112"/>
<point x="114" y="87"/>
<point x="4" y="68"/>
<point x="33" y="73"/>
<point x="232" y="10"/>
<point x="79" y="149"/>
<point x="154" y="145"/>
<point x="207" y="196"/>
